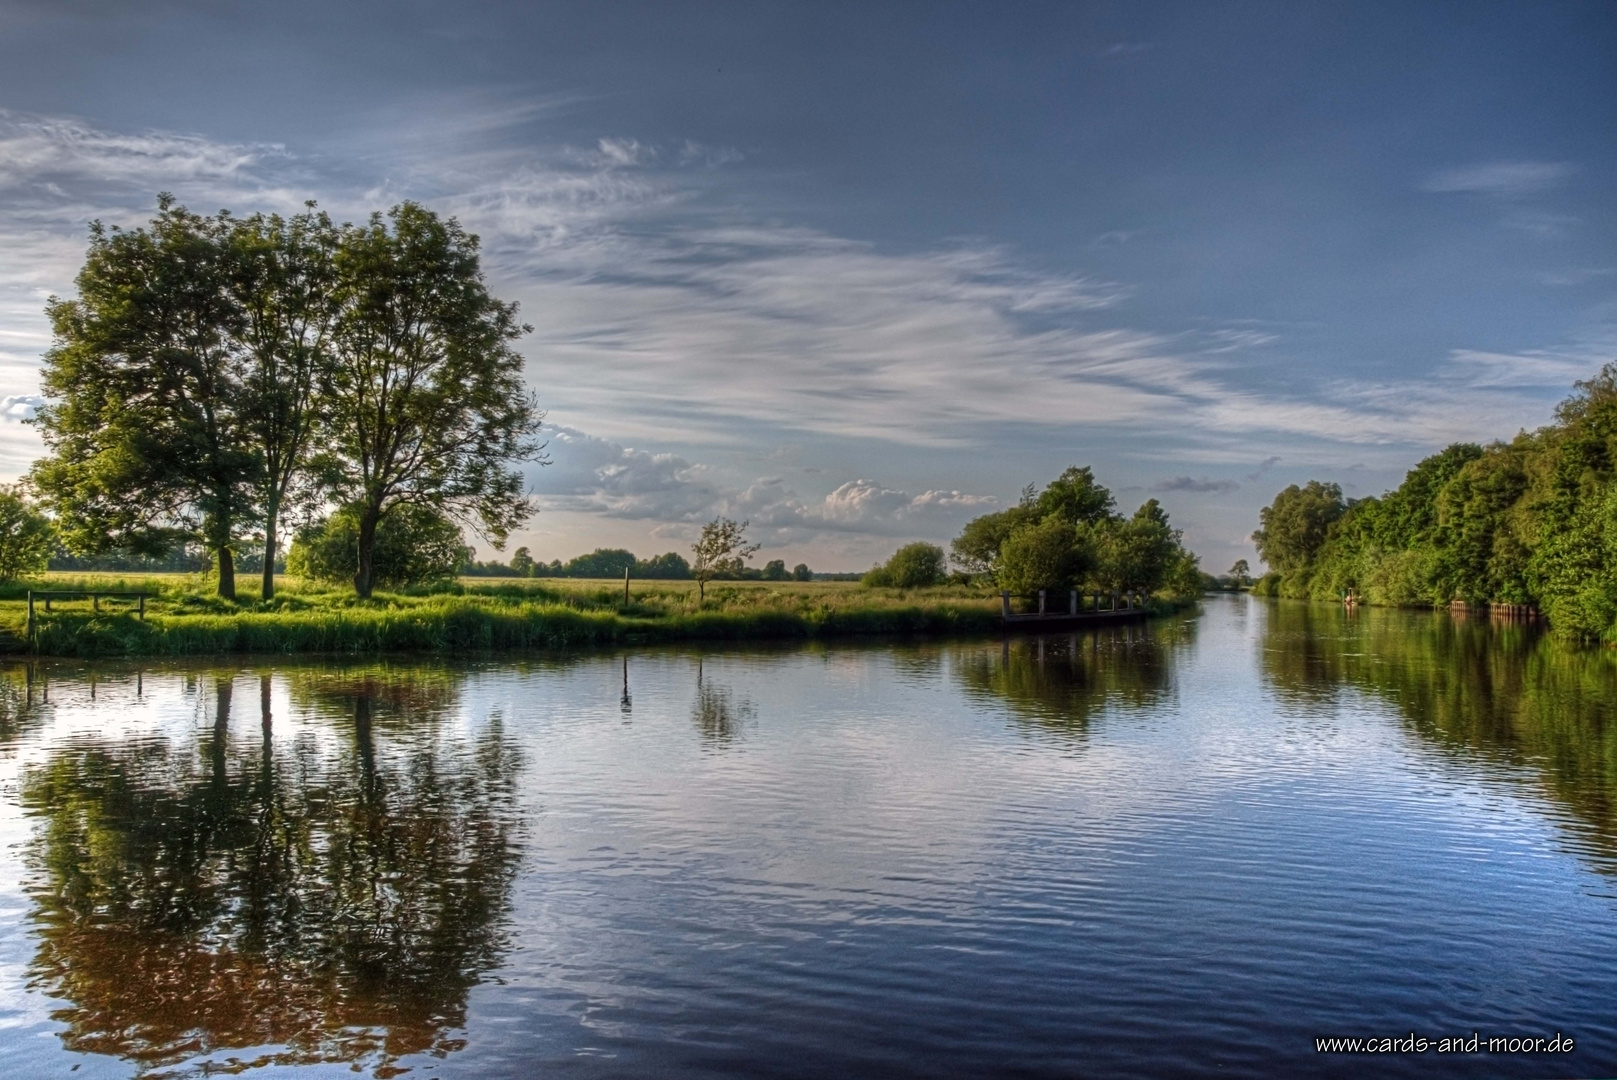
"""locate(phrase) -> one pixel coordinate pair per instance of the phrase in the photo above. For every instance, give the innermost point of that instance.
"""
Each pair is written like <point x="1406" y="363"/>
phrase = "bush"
<point x="912" y="566"/>
<point x="27" y="537"/>
<point x="1042" y="556"/>
<point x="801" y="572"/>
<point x="414" y="545"/>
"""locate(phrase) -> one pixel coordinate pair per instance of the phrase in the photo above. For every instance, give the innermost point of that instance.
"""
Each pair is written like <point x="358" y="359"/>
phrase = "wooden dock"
<point x="1080" y="611"/>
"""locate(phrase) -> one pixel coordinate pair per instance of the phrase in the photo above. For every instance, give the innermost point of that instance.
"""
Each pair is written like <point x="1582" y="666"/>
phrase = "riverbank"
<point x="478" y="615"/>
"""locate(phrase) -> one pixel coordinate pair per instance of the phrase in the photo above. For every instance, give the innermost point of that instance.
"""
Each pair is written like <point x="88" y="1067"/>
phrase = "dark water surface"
<point x="1177" y="850"/>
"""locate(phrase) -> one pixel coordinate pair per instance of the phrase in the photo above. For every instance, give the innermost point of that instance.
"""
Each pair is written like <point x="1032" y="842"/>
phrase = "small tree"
<point x="721" y="549"/>
<point x="801" y="572"/>
<point x="522" y="562"/>
<point x="1043" y="556"/>
<point x="1240" y="572"/>
<point x="775" y="570"/>
<point x="27" y="536"/>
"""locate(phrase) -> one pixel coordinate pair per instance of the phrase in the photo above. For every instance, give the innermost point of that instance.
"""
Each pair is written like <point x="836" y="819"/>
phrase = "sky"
<point x="859" y="272"/>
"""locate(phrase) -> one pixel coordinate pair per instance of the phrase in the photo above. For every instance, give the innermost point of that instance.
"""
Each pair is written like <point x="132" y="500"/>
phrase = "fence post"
<point x="1072" y="603"/>
<point x="30" y="620"/>
<point x="1005" y="604"/>
<point x="142" y="607"/>
<point x="625" y="586"/>
<point x="95" y="602"/>
<point x="1041" y="601"/>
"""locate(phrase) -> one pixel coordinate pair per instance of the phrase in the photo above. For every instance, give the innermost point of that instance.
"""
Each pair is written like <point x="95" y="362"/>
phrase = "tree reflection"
<point x="1505" y="690"/>
<point x="332" y="901"/>
<point x="1060" y="681"/>
<point x="716" y="712"/>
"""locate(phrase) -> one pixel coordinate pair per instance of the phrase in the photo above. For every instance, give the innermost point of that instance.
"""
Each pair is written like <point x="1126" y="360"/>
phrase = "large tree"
<point x="425" y="393"/>
<point x="1293" y="527"/>
<point x="283" y="285"/>
<point x="145" y="431"/>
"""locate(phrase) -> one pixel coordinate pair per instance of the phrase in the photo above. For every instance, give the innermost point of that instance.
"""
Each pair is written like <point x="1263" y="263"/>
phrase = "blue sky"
<point x="858" y="272"/>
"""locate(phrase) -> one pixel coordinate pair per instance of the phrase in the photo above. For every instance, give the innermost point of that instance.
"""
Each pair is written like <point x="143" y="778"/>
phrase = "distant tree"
<point x="912" y="566"/>
<point x="1137" y="555"/>
<point x="775" y="570"/>
<point x="721" y="549"/>
<point x="801" y="572"/>
<point x="1240" y="572"/>
<point x="146" y="437"/>
<point x="415" y="545"/>
<point x="522" y="562"/>
<point x="1293" y="527"/>
<point x="426" y="396"/>
<point x="670" y="566"/>
<point x="27" y="537"/>
<point x="600" y="563"/>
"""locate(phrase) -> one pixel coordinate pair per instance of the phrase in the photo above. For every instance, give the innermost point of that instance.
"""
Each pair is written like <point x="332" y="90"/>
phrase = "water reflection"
<point x="1060" y="682"/>
<point x="716" y="711"/>
<point x="329" y="900"/>
<point x="1500" y="689"/>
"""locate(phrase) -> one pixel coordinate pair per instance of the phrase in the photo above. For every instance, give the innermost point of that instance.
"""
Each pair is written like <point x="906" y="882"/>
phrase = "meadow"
<point x="184" y="618"/>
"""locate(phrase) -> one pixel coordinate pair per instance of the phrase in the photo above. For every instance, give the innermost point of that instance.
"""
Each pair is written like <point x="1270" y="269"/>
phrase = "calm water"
<point x="1178" y="850"/>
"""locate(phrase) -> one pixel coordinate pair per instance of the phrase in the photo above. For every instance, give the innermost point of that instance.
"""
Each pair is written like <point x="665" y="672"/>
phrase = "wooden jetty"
<point x="95" y="596"/>
<point x="1080" y="611"/>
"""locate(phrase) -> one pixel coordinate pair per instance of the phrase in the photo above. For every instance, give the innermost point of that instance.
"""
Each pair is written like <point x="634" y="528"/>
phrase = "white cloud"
<point x="593" y="475"/>
<point x="858" y="506"/>
<point x="1501" y="178"/>
<point x="19" y="407"/>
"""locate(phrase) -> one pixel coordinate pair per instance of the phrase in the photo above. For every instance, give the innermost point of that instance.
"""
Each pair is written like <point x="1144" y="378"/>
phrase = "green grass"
<point x="185" y="619"/>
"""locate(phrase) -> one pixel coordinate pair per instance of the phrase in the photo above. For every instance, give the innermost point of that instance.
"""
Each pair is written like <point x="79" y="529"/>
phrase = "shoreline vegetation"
<point x="1529" y="525"/>
<point x="482" y="615"/>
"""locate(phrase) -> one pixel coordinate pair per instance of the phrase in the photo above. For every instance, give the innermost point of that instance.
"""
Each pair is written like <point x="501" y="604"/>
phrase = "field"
<point x="184" y="618"/>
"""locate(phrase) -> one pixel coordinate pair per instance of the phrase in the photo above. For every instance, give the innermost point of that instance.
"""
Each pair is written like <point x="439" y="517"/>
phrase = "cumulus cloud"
<point x="1192" y="483"/>
<point x="1501" y="178"/>
<point x="858" y="506"/>
<point x="598" y="476"/>
<point x="19" y="407"/>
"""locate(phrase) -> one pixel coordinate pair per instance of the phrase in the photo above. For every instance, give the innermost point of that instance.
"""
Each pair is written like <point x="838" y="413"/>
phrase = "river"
<point x="1188" y="848"/>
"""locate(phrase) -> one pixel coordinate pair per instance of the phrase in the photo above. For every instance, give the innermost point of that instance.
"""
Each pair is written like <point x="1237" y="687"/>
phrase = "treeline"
<point x="612" y="562"/>
<point x="1531" y="521"/>
<point x="218" y="377"/>
<point x="1070" y="536"/>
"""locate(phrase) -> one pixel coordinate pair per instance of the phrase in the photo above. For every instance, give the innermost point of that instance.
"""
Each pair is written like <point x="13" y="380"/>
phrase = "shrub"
<point x="414" y="545"/>
<point x="911" y="567"/>
<point x="1042" y="556"/>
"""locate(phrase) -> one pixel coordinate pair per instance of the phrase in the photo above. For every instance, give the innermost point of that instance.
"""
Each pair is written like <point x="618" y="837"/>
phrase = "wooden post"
<point x="1041" y="601"/>
<point x="1072" y="603"/>
<point x="30" y="614"/>
<point x="142" y="607"/>
<point x="1005" y="605"/>
<point x="625" y="586"/>
<point x="95" y="602"/>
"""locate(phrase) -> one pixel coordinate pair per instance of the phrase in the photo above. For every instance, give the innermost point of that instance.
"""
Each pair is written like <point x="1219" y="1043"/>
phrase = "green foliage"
<point x="801" y="572"/>
<point x="912" y="566"/>
<point x="1293" y="527"/>
<point x="1068" y="536"/>
<point x="27" y="537"/>
<point x="601" y="563"/>
<point x="414" y="545"/>
<point x="1044" y="555"/>
<point x="522" y="562"/>
<point x="1532" y="521"/>
<point x="775" y="570"/>
<point x="669" y="566"/>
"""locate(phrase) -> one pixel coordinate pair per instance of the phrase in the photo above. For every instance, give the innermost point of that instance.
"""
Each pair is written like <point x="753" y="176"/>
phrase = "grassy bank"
<point x="183" y="619"/>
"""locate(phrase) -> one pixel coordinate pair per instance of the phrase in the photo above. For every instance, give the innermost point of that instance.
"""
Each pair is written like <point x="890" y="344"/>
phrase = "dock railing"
<point x="1078" y="604"/>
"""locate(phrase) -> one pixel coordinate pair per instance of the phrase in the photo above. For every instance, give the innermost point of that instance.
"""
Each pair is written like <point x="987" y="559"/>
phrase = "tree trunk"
<point x="227" y="572"/>
<point x="272" y="512"/>
<point x="364" y="581"/>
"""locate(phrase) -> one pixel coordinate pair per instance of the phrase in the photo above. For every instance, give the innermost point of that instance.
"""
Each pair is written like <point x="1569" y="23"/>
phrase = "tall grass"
<point x="183" y="620"/>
